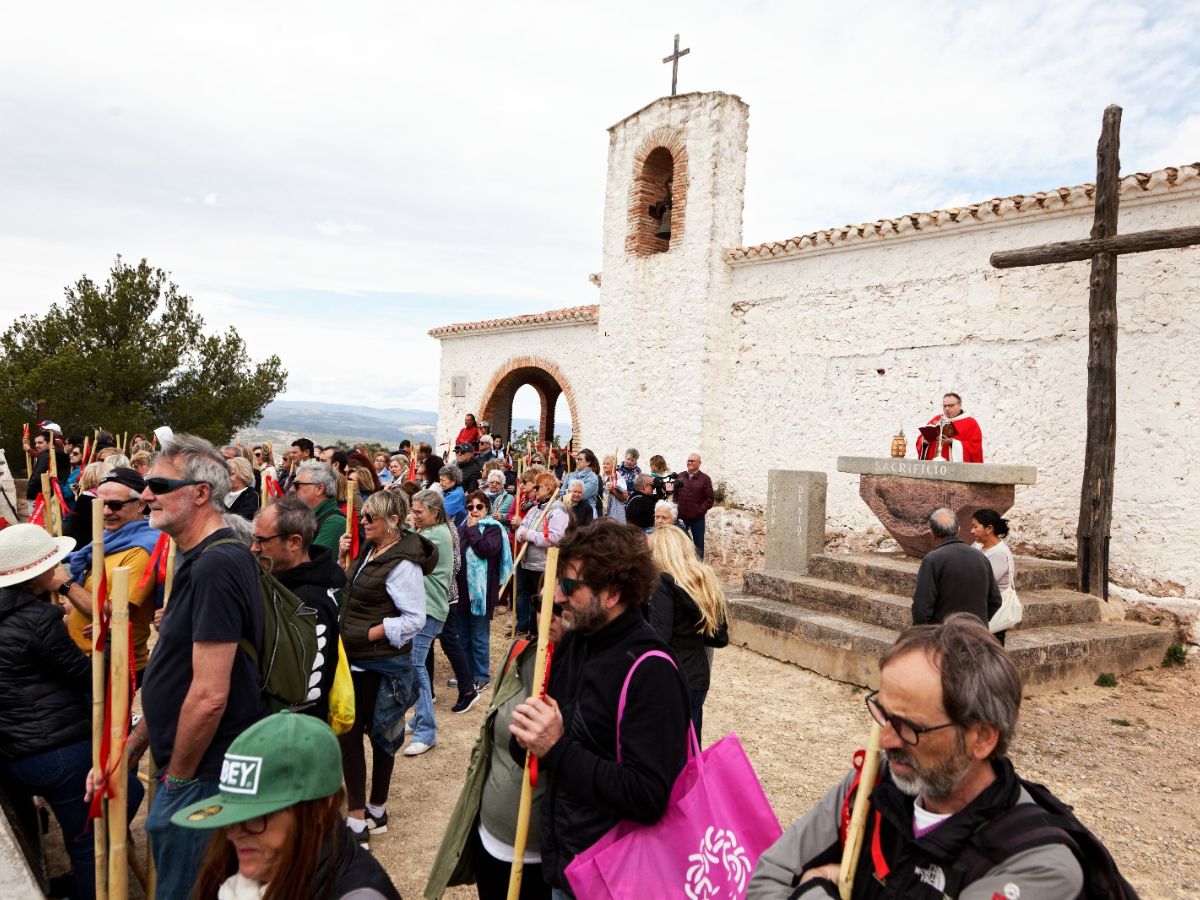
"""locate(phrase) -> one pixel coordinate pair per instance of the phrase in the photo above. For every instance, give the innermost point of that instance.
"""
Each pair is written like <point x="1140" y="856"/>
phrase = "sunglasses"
<point x="296" y="485"/>
<point x="476" y="506"/>
<point x="159" y="485"/>
<point x="569" y="585"/>
<point x="118" y="505"/>
<point x="367" y="517"/>
<point x="536" y="604"/>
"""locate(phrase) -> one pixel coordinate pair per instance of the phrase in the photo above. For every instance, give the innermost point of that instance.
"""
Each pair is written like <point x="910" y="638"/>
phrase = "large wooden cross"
<point x="1099" y="461"/>
<point x="673" y="59"/>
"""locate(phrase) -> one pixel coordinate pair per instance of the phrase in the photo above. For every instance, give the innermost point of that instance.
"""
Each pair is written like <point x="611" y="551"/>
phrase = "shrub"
<point x="1106" y="679"/>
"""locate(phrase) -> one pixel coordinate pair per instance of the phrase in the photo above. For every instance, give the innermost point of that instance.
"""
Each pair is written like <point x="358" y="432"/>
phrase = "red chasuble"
<point x="968" y="436"/>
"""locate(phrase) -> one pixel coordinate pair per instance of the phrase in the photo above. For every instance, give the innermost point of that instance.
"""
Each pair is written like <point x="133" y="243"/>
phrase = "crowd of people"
<point x="396" y="553"/>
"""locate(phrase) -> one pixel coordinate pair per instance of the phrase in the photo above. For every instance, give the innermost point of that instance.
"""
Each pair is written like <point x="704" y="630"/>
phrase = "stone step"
<point x="1054" y="607"/>
<point x="1050" y="657"/>
<point x="895" y="573"/>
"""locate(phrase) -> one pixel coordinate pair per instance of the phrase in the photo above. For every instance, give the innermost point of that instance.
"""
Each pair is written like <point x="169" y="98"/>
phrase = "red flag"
<point x="87" y="453"/>
<point x="533" y="762"/>
<point x="158" y="560"/>
<point x="354" y="540"/>
<point x="62" y="503"/>
<point x="412" y="465"/>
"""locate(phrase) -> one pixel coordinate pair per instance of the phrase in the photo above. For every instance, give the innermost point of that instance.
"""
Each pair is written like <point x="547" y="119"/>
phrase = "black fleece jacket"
<point x="589" y="791"/>
<point x="314" y="583"/>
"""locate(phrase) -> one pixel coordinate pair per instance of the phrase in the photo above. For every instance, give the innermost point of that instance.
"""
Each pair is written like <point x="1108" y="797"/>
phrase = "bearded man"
<point x="948" y="702"/>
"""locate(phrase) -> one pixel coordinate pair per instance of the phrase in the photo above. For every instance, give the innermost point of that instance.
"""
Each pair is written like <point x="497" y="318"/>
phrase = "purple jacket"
<point x="489" y="545"/>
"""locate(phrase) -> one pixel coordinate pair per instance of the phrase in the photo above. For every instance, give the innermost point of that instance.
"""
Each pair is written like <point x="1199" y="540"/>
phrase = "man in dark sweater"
<point x="953" y="577"/>
<point x="605" y="574"/>
<point x="640" y="511"/>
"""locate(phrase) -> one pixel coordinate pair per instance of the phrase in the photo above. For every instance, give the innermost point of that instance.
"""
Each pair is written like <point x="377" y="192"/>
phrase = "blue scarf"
<point x="133" y="534"/>
<point x="477" y="569"/>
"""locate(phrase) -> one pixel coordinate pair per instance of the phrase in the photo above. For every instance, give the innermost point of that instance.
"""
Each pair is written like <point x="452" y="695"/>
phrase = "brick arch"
<point x="544" y="377"/>
<point x="645" y="188"/>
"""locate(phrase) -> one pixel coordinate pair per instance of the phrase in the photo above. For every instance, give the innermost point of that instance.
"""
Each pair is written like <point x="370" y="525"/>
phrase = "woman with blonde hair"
<point x="688" y="610"/>
<point x="79" y="524"/>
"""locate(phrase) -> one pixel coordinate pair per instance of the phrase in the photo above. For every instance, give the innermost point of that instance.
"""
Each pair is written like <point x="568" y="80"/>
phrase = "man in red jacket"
<point x="694" y="495"/>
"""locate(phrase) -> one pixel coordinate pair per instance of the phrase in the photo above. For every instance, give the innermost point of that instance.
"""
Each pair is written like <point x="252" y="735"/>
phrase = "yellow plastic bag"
<point x="341" y="695"/>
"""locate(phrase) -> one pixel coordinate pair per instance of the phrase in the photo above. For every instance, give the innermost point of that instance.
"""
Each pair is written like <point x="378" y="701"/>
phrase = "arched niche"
<point x="662" y="161"/>
<point x="545" y="378"/>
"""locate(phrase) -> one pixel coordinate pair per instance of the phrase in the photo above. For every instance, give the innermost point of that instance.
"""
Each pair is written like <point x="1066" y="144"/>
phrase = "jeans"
<point x="475" y="633"/>
<point x="59" y="776"/>
<point x="697" y="698"/>
<point x="527" y="585"/>
<point x="423" y="723"/>
<point x="695" y="527"/>
<point x="455" y="652"/>
<point x="178" y="852"/>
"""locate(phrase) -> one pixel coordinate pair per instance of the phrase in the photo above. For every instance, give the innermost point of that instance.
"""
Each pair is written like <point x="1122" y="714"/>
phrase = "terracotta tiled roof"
<point x="570" y="315"/>
<point x="919" y="224"/>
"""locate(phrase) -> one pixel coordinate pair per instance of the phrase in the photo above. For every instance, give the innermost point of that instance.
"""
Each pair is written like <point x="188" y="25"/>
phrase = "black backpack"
<point x="1045" y="821"/>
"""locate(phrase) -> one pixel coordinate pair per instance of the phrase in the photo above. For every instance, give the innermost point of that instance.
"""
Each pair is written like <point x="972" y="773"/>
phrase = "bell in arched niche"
<point x="662" y="211"/>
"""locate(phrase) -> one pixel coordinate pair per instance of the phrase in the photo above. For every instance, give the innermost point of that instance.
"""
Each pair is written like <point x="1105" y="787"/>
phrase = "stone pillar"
<point x="795" y="519"/>
<point x="9" y="488"/>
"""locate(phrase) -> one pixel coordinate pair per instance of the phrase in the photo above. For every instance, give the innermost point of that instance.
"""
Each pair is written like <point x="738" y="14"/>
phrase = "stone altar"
<point x="903" y="492"/>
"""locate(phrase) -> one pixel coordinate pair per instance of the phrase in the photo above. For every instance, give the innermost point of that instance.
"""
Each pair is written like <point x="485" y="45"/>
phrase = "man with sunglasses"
<point x="202" y="687"/>
<point x="948" y="702"/>
<point x="128" y="541"/>
<point x="605" y="575"/>
<point x="316" y="486"/>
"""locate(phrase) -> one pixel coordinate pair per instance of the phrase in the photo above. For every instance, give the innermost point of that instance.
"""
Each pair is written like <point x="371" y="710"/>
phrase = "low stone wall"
<point x="735" y="542"/>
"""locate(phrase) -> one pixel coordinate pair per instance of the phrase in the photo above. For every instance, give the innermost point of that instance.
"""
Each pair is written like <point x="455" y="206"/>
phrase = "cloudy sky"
<point x="327" y="176"/>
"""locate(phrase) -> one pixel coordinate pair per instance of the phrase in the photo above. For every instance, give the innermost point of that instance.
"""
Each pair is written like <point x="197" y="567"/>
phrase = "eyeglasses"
<point x="159" y="485"/>
<point x="535" y="604"/>
<point x="257" y="825"/>
<point x="296" y="485"/>
<point x="255" y="539"/>
<point x="476" y="506"/>
<point x="907" y="731"/>
<point x="118" y="505"/>
<point x="258" y="453"/>
<point x="569" y="585"/>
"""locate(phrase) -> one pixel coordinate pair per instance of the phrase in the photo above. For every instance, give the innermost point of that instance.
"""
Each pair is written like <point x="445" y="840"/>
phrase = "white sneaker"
<point x="416" y="748"/>
<point x="408" y="728"/>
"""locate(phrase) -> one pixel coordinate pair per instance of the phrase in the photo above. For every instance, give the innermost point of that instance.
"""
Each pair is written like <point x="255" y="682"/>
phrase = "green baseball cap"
<point x="283" y="760"/>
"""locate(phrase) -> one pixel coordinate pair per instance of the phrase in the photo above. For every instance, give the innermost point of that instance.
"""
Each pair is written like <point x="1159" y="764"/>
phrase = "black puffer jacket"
<point x="676" y="618"/>
<point x="45" y="680"/>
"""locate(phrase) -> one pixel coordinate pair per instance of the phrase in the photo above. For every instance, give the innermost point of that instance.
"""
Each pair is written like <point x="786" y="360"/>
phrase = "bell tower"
<point x="673" y="206"/>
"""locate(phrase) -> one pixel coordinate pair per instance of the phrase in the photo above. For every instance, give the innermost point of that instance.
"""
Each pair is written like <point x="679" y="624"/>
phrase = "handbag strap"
<point x="693" y="743"/>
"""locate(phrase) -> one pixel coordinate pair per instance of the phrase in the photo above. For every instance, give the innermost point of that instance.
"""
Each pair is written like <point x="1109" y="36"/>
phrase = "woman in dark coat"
<point x="45" y="682"/>
<point x="486" y="565"/>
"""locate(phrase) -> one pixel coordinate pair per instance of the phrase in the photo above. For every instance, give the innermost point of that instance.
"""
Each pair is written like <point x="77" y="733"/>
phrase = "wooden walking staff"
<point x="858" y="818"/>
<point x="28" y="461"/>
<point x="100" y="833"/>
<point x="525" y="809"/>
<point x="48" y="503"/>
<point x="118" y="820"/>
<point x="151" y="869"/>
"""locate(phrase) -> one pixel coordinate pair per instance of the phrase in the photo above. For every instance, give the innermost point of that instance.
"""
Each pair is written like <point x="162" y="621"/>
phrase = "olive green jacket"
<point x="455" y="861"/>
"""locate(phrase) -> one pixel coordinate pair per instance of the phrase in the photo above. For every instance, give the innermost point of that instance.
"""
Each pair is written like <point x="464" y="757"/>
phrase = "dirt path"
<point x="1125" y="756"/>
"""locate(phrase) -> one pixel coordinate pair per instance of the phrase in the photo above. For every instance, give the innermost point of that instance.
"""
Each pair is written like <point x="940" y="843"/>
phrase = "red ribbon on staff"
<point x="109" y="758"/>
<point x="157" y="562"/>
<point x="533" y="763"/>
<point x="39" y="511"/>
<point x="273" y="488"/>
<point x="354" y="540"/>
<point x="412" y="465"/>
<point x="62" y="503"/>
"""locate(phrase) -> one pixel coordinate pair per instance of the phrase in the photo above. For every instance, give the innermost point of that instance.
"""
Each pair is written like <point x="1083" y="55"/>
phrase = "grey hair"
<point x="387" y="504"/>
<point x="119" y="461"/>
<point x="292" y="516"/>
<point x="642" y="480"/>
<point x="240" y="466"/>
<point x="943" y="523"/>
<point x="668" y="506"/>
<point x="199" y="461"/>
<point x="497" y="472"/>
<point x="485" y="439"/>
<point x="632" y="451"/>
<point x="452" y="472"/>
<point x="323" y="475"/>
<point x="242" y="529"/>
<point x="980" y="684"/>
<point x="432" y="501"/>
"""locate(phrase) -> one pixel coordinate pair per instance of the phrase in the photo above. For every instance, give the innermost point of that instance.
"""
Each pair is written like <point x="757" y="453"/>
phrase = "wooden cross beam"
<point x="1099" y="461"/>
<point x="673" y="59"/>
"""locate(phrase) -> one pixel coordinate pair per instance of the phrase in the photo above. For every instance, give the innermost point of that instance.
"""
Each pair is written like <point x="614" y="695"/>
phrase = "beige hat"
<point x="27" y="551"/>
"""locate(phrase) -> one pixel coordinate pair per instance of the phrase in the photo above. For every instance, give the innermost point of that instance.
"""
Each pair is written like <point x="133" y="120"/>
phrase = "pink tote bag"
<point x="718" y="822"/>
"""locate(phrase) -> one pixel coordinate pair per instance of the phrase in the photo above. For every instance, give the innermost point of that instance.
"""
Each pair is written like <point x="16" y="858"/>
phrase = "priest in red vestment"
<point x="963" y="438"/>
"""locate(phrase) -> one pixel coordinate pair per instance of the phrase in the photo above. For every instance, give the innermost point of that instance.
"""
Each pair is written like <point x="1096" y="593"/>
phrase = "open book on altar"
<point x="930" y="432"/>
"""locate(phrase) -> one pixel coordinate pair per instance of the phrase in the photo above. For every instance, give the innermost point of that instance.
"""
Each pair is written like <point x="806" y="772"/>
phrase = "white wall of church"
<point x="829" y="352"/>
<point x="477" y="356"/>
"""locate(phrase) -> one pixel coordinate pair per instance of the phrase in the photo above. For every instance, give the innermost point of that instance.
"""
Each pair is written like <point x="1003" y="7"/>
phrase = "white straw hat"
<point x="27" y="551"/>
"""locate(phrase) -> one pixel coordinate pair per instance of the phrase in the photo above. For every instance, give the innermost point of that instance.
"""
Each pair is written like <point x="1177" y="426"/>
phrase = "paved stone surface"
<point x="903" y="505"/>
<point x="16" y="880"/>
<point x="939" y="470"/>
<point x="795" y="518"/>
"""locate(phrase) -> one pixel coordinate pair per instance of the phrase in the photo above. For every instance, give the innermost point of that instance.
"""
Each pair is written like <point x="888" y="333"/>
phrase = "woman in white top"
<point x="989" y="530"/>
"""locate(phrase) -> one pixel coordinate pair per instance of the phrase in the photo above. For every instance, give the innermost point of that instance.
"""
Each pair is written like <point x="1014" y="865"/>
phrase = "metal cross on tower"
<point x="673" y="59"/>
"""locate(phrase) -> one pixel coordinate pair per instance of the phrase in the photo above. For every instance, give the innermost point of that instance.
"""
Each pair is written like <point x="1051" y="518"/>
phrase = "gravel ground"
<point x="1124" y="756"/>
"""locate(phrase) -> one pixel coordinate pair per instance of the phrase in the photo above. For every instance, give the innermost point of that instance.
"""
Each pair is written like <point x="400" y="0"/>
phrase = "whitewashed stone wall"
<point x="831" y="351"/>
<point x="479" y="355"/>
<point x="792" y="355"/>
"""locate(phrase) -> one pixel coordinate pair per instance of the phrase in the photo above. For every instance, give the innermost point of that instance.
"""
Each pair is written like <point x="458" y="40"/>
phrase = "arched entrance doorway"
<point x="545" y="378"/>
